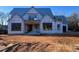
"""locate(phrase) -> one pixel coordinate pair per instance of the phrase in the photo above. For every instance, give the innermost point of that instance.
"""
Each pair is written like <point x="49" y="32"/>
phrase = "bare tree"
<point x="3" y="19"/>
<point x="73" y="22"/>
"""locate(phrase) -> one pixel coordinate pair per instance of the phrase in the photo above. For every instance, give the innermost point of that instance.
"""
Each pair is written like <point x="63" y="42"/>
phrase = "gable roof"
<point x="19" y="11"/>
<point x="61" y="18"/>
<point x="43" y="11"/>
<point x="22" y="11"/>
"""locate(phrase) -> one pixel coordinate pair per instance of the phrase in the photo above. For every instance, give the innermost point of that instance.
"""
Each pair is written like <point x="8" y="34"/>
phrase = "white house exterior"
<point x="36" y="21"/>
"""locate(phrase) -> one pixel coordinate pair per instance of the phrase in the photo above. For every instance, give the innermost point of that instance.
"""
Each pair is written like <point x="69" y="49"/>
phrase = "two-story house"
<point x="35" y="21"/>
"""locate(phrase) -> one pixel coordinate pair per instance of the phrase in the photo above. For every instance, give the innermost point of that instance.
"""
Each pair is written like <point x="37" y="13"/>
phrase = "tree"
<point x="3" y="19"/>
<point x="73" y="22"/>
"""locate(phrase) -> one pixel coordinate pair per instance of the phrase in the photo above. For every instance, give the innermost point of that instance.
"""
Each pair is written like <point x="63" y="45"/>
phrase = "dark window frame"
<point x="15" y="26"/>
<point x="32" y="17"/>
<point x="47" y="26"/>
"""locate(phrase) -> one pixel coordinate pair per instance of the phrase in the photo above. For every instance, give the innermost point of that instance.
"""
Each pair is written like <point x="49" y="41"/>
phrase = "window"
<point x="47" y="26"/>
<point x="35" y="17"/>
<point x="32" y="17"/>
<point x="58" y="26"/>
<point x="16" y="26"/>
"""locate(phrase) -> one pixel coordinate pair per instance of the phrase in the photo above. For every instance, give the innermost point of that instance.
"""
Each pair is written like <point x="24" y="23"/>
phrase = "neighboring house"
<point x="35" y="21"/>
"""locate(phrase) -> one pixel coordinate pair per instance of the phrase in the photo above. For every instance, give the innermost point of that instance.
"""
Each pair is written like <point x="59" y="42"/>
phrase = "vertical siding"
<point x="16" y="19"/>
<point x="26" y="17"/>
<point x="47" y="19"/>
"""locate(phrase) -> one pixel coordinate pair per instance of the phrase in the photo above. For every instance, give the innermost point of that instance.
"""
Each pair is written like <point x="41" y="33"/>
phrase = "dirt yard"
<point x="40" y="43"/>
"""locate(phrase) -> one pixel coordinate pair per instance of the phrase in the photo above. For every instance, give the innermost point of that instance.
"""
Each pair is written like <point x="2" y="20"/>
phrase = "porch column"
<point x="33" y="29"/>
<point x="25" y="27"/>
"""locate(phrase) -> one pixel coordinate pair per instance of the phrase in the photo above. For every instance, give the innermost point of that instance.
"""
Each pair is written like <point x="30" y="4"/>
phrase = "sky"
<point x="56" y="10"/>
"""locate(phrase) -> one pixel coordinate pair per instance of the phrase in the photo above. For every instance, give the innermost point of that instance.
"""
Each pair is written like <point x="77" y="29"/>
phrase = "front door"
<point x="29" y="28"/>
<point x="64" y="28"/>
<point x="33" y="28"/>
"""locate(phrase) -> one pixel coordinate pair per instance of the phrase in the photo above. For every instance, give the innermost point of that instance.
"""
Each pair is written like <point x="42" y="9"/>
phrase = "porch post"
<point x="33" y="29"/>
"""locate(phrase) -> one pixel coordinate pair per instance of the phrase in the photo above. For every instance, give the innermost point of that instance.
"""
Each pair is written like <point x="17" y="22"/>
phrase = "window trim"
<point x="44" y="26"/>
<point x="13" y="27"/>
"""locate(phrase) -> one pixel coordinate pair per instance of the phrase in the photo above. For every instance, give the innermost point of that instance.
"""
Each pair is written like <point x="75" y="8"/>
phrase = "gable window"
<point x="47" y="26"/>
<point x="35" y="17"/>
<point x="16" y="26"/>
<point x="32" y="17"/>
<point x="58" y="26"/>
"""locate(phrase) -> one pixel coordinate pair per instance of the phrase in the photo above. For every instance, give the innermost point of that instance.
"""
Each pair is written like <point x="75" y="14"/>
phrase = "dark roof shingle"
<point x="22" y="11"/>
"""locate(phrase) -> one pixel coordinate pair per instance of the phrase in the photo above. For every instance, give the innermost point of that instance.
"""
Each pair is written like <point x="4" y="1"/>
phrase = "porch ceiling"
<point x="32" y="22"/>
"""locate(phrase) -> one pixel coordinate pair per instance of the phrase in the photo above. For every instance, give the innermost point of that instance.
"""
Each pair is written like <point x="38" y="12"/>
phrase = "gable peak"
<point x="32" y="6"/>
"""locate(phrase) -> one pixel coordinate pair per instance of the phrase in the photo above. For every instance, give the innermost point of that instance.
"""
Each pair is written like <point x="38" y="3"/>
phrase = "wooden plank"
<point x="5" y="48"/>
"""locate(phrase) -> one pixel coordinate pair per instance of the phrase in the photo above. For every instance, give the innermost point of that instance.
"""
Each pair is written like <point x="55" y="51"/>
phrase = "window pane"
<point x="16" y="26"/>
<point x="32" y="17"/>
<point x="47" y="26"/>
<point x="58" y="26"/>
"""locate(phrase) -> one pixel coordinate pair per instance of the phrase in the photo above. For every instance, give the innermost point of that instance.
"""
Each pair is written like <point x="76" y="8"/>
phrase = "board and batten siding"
<point x="16" y="19"/>
<point x="26" y="16"/>
<point x="47" y="19"/>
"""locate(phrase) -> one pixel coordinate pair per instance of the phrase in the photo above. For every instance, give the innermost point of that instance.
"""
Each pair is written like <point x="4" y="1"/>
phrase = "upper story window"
<point x="35" y="17"/>
<point x="32" y="17"/>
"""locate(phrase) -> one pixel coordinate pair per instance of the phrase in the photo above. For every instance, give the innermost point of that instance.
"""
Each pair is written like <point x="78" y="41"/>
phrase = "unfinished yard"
<point x="24" y="43"/>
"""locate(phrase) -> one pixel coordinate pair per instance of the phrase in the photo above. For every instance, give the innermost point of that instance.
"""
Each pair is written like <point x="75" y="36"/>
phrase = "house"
<point x="36" y="21"/>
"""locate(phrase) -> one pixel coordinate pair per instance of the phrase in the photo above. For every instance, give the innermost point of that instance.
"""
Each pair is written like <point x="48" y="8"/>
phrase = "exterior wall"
<point x="47" y="19"/>
<point x="26" y="17"/>
<point x="39" y="16"/>
<point x="16" y="19"/>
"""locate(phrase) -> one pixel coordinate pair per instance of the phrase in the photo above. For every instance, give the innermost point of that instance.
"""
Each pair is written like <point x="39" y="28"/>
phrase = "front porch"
<point x="32" y="28"/>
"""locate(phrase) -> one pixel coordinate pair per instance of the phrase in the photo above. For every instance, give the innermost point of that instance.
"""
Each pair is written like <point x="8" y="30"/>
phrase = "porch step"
<point x="34" y="33"/>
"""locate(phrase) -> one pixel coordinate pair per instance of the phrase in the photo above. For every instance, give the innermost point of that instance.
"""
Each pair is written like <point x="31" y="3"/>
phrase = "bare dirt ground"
<point x="39" y="43"/>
